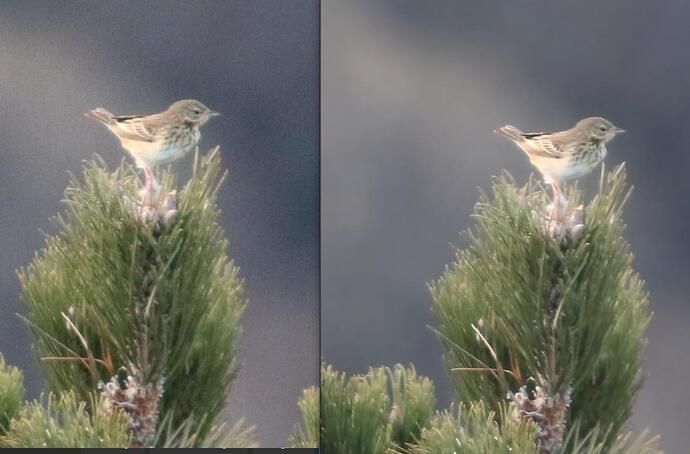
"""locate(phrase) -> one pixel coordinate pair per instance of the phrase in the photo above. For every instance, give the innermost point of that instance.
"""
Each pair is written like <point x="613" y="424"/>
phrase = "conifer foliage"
<point x="541" y="319"/>
<point x="139" y="303"/>
<point x="60" y="421"/>
<point x="552" y="318"/>
<point x="11" y="394"/>
<point x="384" y="409"/>
<point x="306" y="434"/>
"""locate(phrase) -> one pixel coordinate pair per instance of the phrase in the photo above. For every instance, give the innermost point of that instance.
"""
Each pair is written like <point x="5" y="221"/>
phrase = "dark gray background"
<point x="411" y="92"/>
<point x="257" y="63"/>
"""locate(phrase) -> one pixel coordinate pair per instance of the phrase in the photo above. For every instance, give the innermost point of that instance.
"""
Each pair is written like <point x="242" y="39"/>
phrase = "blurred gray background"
<point x="256" y="61"/>
<point x="411" y="91"/>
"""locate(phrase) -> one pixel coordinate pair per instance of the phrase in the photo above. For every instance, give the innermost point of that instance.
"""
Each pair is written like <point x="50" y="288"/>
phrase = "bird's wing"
<point x="136" y="127"/>
<point x="542" y="144"/>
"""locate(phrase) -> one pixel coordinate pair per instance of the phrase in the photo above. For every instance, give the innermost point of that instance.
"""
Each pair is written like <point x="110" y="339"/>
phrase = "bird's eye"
<point x="196" y="111"/>
<point x="602" y="128"/>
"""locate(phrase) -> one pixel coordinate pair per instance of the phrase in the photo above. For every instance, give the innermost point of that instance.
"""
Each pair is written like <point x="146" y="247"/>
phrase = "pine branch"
<point x="378" y="412"/>
<point x="475" y="430"/>
<point x="354" y="412"/>
<point x="554" y="316"/>
<point x="306" y="434"/>
<point x="63" y="422"/>
<point x="11" y="394"/>
<point x="139" y="301"/>
<point x="413" y="404"/>
<point x="220" y="436"/>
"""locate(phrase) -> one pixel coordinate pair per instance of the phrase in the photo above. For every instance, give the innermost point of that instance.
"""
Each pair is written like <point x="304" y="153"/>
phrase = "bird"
<point x="157" y="139"/>
<point x="564" y="155"/>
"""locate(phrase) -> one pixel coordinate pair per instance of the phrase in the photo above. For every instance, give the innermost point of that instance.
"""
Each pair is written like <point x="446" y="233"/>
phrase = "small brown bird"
<point x="160" y="138"/>
<point x="564" y="155"/>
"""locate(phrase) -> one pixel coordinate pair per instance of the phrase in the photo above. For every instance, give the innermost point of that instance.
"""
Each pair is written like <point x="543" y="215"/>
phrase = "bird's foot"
<point x="150" y="194"/>
<point x="154" y="206"/>
<point x="562" y="221"/>
<point x="557" y="209"/>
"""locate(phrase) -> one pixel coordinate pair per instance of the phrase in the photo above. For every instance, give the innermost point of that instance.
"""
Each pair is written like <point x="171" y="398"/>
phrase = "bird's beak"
<point x="213" y="114"/>
<point x="619" y="130"/>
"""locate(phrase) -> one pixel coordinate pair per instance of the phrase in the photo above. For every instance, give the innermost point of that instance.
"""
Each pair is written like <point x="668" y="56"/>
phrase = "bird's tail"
<point x="102" y="115"/>
<point x="510" y="132"/>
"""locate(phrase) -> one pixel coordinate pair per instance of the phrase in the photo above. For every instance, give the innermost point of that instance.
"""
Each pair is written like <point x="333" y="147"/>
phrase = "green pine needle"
<point x="64" y="422"/>
<point x="474" y="429"/>
<point x="570" y="312"/>
<point x="306" y="434"/>
<point x="11" y="394"/>
<point x="378" y="412"/>
<point x="163" y="299"/>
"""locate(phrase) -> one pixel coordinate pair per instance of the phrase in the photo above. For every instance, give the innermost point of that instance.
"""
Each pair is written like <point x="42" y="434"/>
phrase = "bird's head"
<point x="192" y="111"/>
<point x="599" y="128"/>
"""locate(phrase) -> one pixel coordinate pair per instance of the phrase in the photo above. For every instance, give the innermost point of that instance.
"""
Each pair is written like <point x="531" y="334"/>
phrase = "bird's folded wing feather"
<point x="136" y="128"/>
<point x="543" y="145"/>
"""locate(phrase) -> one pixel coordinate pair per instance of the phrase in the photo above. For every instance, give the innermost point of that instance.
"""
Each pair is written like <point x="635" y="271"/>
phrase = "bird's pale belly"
<point x="152" y="154"/>
<point x="569" y="167"/>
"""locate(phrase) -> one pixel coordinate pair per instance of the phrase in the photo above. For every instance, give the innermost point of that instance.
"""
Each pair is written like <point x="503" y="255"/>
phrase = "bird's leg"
<point x="147" y="174"/>
<point x="556" y="203"/>
<point x="150" y="187"/>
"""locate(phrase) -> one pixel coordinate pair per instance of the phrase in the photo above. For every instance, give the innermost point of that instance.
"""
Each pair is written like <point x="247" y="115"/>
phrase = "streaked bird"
<point x="160" y="138"/>
<point x="561" y="156"/>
